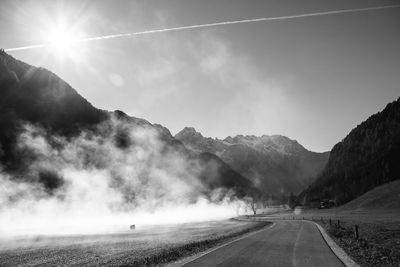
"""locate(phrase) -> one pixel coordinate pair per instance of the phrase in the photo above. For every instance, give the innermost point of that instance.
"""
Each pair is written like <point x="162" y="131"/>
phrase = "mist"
<point x="105" y="180"/>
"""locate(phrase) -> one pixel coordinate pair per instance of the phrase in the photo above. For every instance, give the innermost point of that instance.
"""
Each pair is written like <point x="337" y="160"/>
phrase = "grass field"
<point x="146" y="246"/>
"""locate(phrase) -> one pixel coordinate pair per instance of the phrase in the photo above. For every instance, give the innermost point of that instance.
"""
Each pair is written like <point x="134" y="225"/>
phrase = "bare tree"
<point x="251" y="203"/>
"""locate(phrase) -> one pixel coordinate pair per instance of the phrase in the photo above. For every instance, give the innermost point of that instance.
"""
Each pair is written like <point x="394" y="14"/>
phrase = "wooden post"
<point x="330" y="222"/>
<point x="356" y="231"/>
<point x="338" y="223"/>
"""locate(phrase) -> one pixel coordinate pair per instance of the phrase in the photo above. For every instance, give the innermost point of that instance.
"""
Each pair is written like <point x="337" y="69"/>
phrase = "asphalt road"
<point x="286" y="243"/>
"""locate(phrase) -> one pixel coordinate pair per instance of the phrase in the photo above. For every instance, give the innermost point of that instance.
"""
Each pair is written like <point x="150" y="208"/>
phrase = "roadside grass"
<point x="152" y="246"/>
<point x="378" y="243"/>
<point x="176" y="252"/>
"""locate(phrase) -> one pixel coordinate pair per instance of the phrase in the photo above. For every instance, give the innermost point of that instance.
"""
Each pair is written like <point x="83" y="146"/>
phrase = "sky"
<point x="312" y="79"/>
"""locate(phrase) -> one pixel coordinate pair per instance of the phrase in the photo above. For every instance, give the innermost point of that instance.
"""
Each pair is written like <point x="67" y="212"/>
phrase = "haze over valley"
<point x="199" y="133"/>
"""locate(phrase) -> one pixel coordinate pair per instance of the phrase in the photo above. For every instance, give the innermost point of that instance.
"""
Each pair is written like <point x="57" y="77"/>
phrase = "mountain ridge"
<point x="270" y="162"/>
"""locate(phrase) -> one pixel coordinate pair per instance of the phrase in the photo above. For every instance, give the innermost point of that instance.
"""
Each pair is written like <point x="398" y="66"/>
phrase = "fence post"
<point x="330" y="222"/>
<point x="338" y="223"/>
<point x="356" y="231"/>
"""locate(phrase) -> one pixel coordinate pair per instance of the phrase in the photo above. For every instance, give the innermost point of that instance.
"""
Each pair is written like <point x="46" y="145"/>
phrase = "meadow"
<point x="152" y="245"/>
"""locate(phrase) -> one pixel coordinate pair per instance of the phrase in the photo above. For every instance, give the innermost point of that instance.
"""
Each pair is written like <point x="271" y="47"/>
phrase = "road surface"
<point x="286" y="243"/>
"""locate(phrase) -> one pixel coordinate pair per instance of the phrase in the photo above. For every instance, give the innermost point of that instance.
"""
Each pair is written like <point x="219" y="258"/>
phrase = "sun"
<point x="60" y="41"/>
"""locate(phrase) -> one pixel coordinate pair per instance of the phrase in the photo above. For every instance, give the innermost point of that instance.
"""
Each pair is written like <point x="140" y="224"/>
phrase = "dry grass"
<point x="149" y="246"/>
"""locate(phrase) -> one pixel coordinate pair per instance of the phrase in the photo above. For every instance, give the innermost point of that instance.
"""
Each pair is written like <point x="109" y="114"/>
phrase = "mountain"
<point x="275" y="164"/>
<point x="36" y="95"/>
<point x="32" y="97"/>
<point x="217" y="174"/>
<point x="366" y="158"/>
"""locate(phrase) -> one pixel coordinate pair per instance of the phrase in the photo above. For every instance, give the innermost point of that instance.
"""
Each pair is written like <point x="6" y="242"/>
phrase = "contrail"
<point x="112" y="36"/>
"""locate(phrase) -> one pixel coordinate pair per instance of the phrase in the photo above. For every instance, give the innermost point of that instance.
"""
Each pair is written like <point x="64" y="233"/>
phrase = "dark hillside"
<point x="366" y="158"/>
<point x="38" y="96"/>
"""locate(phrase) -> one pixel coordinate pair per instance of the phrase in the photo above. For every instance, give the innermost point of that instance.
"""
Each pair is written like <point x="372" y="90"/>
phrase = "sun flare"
<point x="61" y="40"/>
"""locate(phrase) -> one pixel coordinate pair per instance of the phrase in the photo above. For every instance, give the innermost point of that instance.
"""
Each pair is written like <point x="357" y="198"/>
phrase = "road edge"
<point x="338" y="251"/>
<point x="195" y="257"/>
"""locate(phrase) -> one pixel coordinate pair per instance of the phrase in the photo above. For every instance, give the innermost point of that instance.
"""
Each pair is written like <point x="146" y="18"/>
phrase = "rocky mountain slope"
<point x="275" y="164"/>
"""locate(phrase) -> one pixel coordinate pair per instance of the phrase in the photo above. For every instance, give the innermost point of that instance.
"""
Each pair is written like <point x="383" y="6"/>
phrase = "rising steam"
<point x="117" y="175"/>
